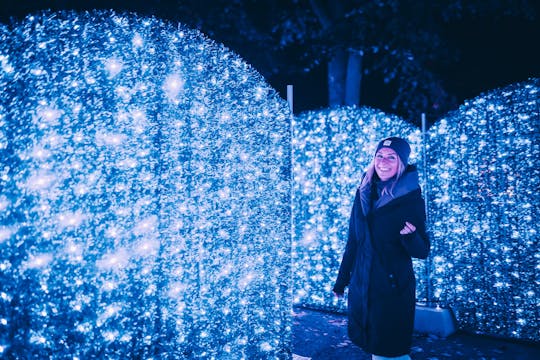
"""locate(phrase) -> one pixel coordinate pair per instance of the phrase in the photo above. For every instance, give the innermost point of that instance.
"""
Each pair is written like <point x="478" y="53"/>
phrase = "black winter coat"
<point x="377" y="267"/>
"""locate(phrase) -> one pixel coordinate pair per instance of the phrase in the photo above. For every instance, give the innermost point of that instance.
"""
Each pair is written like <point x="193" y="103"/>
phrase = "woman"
<point x="386" y="230"/>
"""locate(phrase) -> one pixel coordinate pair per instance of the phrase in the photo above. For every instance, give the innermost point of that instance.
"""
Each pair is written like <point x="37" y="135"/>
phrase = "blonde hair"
<point x="370" y="172"/>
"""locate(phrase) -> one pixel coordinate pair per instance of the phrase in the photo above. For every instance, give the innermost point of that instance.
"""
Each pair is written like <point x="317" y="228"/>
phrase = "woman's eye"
<point x="390" y="157"/>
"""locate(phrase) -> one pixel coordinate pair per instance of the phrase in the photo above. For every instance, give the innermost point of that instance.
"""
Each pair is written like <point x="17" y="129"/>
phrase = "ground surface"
<point x="321" y="335"/>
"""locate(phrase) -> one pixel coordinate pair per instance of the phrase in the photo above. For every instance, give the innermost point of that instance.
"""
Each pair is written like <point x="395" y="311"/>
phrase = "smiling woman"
<point x="386" y="230"/>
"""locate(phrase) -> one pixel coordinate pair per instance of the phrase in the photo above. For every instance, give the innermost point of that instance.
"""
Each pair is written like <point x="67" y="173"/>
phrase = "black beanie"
<point x="399" y="145"/>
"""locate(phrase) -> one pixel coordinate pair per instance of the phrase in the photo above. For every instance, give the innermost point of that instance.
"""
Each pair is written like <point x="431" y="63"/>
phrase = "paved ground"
<point x="323" y="336"/>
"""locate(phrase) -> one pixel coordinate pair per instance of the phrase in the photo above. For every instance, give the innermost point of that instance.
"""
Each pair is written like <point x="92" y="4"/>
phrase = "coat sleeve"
<point x="349" y="255"/>
<point x="417" y="244"/>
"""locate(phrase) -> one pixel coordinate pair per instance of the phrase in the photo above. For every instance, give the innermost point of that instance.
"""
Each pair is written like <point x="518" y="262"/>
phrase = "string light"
<point x="484" y="177"/>
<point x="145" y="178"/>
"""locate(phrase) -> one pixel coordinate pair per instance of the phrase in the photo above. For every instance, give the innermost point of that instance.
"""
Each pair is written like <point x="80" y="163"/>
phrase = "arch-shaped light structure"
<point x="144" y="194"/>
<point x="484" y="176"/>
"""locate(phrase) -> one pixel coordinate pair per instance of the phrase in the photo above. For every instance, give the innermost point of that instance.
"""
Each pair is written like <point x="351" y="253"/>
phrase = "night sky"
<point x="492" y="54"/>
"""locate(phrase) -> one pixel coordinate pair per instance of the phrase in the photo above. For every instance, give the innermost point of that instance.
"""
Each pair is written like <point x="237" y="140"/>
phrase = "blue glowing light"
<point x="145" y="181"/>
<point x="484" y="178"/>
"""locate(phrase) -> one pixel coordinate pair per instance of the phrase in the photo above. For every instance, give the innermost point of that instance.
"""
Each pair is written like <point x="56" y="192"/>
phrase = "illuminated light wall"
<point x="331" y="150"/>
<point x="145" y="194"/>
<point x="484" y="176"/>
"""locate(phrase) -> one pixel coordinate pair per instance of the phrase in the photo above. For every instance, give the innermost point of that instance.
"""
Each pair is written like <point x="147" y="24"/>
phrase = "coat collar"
<point x="407" y="183"/>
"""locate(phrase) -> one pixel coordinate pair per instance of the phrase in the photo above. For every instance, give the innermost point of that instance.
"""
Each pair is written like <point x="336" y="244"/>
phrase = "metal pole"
<point x="424" y="160"/>
<point x="292" y="230"/>
<point x="290" y="96"/>
<point x="426" y="199"/>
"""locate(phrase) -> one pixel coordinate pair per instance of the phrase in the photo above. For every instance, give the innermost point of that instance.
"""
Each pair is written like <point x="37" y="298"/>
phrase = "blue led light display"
<point x="484" y="178"/>
<point x="145" y="194"/>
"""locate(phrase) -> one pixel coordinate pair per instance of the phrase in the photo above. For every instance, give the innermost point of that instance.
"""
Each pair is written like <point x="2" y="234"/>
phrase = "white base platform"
<point x="434" y="320"/>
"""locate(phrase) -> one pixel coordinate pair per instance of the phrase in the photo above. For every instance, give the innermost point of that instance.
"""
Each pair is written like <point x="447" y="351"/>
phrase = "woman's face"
<point x="386" y="163"/>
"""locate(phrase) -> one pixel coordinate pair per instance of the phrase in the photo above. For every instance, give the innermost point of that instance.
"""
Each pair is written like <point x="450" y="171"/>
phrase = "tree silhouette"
<point x="398" y="45"/>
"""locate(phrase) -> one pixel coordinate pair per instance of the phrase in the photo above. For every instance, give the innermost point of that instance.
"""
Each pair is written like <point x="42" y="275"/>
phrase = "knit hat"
<point x="399" y="145"/>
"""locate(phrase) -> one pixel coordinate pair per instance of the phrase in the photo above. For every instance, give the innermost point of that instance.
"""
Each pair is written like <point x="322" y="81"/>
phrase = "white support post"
<point x="290" y="97"/>
<point x="426" y="200"/>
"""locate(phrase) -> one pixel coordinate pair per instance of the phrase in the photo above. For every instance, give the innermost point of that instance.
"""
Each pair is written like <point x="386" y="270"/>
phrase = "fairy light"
<point x="484" y="176"/>
<point x="145" y="176"/>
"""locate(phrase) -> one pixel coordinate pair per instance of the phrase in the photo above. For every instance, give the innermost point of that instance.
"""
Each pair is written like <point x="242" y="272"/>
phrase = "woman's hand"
<point x="408" y="228"/>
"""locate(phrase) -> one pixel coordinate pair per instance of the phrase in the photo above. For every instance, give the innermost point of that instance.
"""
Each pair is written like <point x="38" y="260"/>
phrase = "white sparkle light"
<point x="40" y="181"/>
<point x="114" y="261"/>
<point x="174" y="84"/>
<point x="39" y="261"/>
<point x="137" y="41"/>
<point x="113" y="67"/>
<point x="5" y="233"/>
